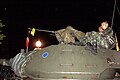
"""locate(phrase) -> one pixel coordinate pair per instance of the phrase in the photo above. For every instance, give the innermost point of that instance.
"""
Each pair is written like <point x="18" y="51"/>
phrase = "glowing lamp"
<point x="38" y="43"/>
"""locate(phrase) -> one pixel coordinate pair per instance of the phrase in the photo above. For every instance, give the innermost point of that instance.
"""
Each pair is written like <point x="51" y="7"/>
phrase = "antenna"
<point x="118" y="9"/>
<point x="113" y="14"/>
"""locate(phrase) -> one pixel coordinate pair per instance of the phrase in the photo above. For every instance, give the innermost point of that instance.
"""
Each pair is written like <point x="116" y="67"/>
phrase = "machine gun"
<point x="42" y="30"/>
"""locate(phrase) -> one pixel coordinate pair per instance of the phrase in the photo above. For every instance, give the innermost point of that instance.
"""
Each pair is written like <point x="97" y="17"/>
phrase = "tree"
<point x="1" y="35"/>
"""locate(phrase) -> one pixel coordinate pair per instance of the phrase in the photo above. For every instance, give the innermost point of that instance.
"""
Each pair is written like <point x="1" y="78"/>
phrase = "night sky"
<point x="84" y="15"/>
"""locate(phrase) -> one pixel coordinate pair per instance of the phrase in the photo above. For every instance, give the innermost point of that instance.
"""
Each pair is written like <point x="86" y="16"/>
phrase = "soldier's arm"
<point x="110" y="40"/>
<point x="108" y="31"/>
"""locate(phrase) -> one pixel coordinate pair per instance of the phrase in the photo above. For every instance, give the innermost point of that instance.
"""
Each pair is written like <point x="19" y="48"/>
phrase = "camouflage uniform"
<point x="103" y="39"/>
<point x="68" y="35"/>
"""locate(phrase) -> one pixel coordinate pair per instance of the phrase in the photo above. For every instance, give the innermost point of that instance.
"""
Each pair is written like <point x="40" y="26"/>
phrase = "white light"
<point x="38" y="43"/>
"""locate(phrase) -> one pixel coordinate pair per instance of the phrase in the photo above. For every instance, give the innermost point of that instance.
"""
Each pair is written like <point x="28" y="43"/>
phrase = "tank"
<point x="66" y="62"/>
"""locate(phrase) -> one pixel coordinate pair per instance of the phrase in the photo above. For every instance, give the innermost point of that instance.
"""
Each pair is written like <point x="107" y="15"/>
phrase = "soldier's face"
<point x="104" y="25"/>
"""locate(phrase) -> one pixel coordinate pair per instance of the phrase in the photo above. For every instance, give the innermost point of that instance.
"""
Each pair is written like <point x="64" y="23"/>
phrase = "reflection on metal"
<point x="66" y="50"/>
<point x="78" y="73"/>
<point x="66" y="64"/>
<point x="91" y="65"/>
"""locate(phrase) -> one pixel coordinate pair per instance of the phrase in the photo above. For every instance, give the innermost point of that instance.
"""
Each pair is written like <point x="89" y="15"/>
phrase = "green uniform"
<point x="103" y="39"/>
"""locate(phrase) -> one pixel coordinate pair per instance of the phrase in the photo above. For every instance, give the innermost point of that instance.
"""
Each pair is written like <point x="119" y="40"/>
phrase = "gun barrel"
<point x="43" y="30"/>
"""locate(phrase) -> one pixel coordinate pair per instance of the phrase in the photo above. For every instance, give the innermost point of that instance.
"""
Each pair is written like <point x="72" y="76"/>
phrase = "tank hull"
<point x="70" y="62"/>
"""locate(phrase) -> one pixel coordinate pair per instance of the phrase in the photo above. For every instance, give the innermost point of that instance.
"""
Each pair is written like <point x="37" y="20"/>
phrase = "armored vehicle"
<point x="66" y="62"/>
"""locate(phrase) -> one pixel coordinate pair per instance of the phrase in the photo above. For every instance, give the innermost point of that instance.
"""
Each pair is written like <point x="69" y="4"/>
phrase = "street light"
<point x="38" y="44"/>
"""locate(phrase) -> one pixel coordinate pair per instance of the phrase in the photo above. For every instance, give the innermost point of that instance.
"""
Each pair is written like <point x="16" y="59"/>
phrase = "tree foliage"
<point x="1" y="35"/>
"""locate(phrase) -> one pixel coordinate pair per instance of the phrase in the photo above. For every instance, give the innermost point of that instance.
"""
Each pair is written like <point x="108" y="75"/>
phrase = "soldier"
<point x="68" y="35"/>
<point x="102" y="39"/>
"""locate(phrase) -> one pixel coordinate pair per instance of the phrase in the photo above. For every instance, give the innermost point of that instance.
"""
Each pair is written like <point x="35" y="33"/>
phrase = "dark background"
<point x="84" y="15"/>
